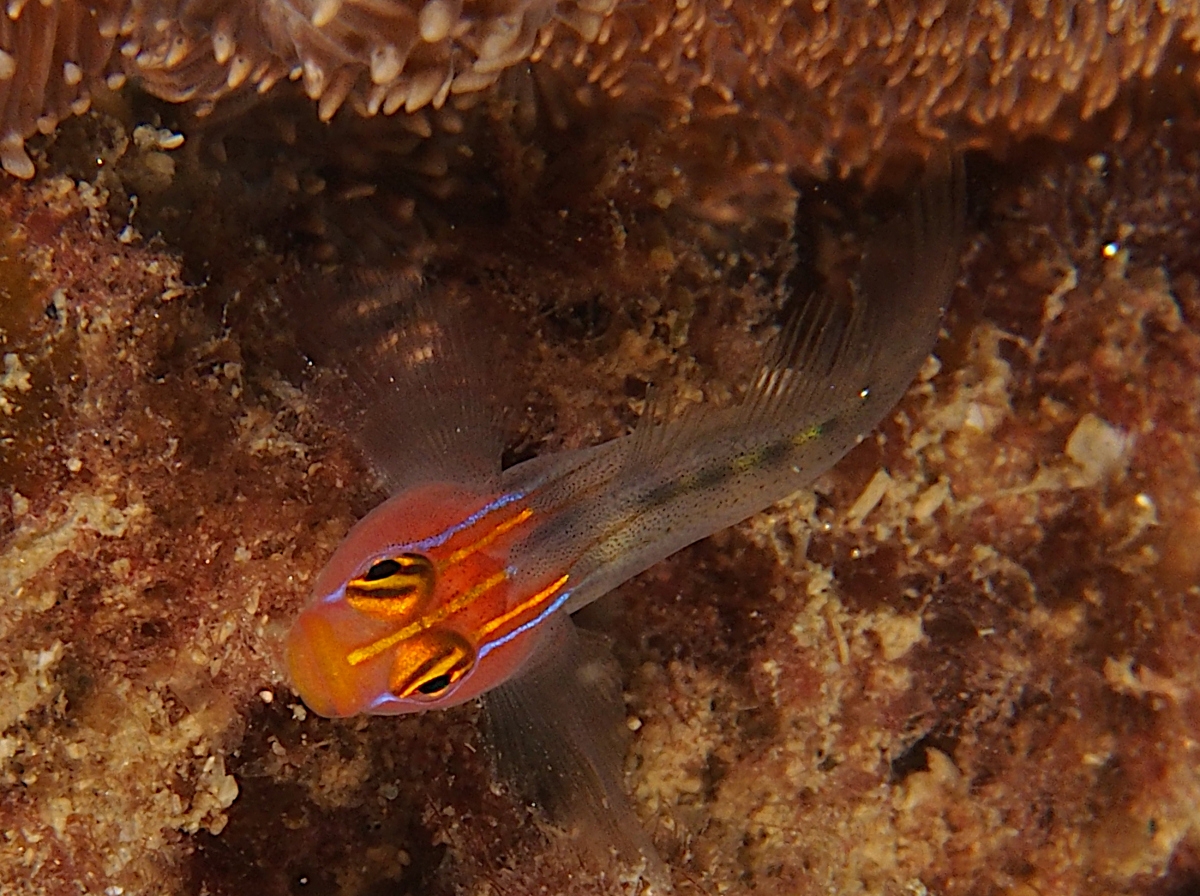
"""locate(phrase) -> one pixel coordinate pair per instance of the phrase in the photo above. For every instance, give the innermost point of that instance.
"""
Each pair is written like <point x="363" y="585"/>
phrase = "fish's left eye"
<point x="434" y="685"/>
<point x="430" y="662"/>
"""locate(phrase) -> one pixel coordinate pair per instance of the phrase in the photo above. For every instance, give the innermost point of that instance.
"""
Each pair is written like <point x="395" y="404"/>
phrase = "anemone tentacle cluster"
<point x="830" y="81"/>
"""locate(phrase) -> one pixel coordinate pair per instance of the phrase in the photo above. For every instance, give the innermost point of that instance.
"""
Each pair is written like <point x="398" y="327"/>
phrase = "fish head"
<point x="394" y="622"/>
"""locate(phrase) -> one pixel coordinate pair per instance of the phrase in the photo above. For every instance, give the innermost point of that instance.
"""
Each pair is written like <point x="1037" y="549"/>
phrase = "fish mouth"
<point x="320" y="673"/>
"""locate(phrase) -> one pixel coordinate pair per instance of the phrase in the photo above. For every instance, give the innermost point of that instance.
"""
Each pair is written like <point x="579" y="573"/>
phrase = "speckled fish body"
<point x="483" y="570"/>
<point x="461" y="584"/>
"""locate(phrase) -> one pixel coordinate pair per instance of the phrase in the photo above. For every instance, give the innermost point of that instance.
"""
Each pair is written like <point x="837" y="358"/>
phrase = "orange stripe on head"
<point x="516" y="611"/>
<point x="362" y="654"/>
<point x="507" y="526"/>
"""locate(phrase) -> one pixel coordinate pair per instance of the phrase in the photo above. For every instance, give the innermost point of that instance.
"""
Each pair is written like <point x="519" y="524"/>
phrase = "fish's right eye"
<point x="393" y="588"/>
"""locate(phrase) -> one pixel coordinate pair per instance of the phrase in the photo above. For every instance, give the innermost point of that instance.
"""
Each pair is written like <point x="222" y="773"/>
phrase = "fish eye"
<point x="393" y="588"/>
<point x="429" y="663"/>
<point x="434" y="685"/>
<point x="381" y="570"/>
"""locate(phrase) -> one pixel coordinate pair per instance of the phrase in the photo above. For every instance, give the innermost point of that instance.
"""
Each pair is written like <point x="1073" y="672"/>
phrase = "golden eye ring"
<point x="395" y="589"/>
<point x="429" y="663"/>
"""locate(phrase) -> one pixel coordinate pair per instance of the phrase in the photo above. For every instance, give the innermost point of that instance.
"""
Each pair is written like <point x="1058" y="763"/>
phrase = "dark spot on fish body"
<point x="665" y="492"/>
<point x="712" y="476"/>
<point x="716" y="474"/>
<point x="744" y="463"/>
<point x="774" y="452"/>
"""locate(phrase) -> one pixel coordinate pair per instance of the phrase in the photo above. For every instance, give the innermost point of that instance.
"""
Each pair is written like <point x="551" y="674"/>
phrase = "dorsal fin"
<point x="402" y="372"/>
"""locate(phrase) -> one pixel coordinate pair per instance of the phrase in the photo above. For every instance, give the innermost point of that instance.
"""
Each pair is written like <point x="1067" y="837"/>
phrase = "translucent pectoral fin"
<point x="559" y="737"/>
<point x="405" y="372"/>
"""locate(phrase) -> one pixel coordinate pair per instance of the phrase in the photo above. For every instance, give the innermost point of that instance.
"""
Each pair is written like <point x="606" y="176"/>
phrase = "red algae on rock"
<point x="125" y="602"/>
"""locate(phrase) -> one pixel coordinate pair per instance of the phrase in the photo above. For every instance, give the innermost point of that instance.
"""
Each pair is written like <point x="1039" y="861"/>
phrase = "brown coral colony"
<point x="830" y="82"/>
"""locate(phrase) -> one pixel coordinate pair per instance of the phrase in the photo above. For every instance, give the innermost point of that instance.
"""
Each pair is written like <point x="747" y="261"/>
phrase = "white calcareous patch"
<point x="14" y="379"/>
<point x="1099" y="449"/>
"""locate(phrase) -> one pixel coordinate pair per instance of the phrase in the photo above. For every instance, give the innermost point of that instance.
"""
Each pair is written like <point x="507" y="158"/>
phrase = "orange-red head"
<point x="416" y="610"/>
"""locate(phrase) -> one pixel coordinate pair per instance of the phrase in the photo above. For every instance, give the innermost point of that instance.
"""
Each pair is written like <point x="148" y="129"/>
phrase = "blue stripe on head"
<point x="489" y="646"/>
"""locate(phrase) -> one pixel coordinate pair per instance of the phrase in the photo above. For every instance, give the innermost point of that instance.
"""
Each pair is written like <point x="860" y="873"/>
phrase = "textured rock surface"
<point x="759" y="85"/>
<point x="967" y="662"/>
